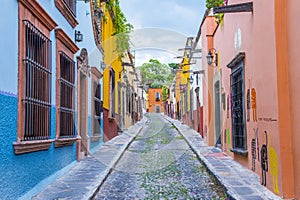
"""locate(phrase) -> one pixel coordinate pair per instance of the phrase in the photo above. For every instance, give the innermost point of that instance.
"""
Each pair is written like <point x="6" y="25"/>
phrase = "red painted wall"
<point x="110" y="126"/>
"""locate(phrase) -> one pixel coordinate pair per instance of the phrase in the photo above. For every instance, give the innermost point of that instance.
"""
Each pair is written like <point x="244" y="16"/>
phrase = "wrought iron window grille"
<point x="67" y="92"/>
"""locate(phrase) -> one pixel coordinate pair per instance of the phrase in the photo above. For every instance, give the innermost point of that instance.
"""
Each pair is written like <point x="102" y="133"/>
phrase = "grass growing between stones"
<point x="163" y="183"/>
<point x="179" y="137"/>
<point x="165" y="173"/>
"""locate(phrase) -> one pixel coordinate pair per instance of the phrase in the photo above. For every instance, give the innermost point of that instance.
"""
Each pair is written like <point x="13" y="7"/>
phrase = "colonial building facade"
<point x="251" y="94"/>
<point x="48" y="84"/>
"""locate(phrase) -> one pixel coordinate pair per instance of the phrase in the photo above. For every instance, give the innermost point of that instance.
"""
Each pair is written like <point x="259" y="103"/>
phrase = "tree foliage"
<point x="122" y="27"/>
<point x="156" y="74"/>
<point x="165" y="93"/>
<point x="217" y="3"/>
<point x="214" y="3"/>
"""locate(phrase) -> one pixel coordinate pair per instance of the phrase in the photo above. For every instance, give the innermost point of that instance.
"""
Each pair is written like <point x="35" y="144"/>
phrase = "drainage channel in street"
<point x="159" y="164"/>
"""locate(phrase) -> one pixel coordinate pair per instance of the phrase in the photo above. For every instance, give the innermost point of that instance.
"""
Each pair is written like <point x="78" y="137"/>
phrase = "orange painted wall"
<point x="208" y="28"/>
<point x="152" y="100"/>
<point x="293" y="32"/>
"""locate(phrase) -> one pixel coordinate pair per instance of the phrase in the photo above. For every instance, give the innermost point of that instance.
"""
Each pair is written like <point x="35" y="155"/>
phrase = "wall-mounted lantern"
<point x="212" y="57"/>
<point x="78" y="36"/>
<point x="124" y="64"/>
<point x="125" y="78"/>
<point x="191" y="79"/>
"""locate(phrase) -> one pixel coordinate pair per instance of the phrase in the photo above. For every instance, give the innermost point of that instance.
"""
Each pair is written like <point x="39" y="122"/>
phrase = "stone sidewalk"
<point x="239" y="182"/>
<point x="85" y="179"/>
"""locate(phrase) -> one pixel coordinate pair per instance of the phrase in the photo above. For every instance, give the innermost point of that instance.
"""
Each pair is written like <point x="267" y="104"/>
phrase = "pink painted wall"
<point x="258" y="42"/>
<point x="293" y="31"/>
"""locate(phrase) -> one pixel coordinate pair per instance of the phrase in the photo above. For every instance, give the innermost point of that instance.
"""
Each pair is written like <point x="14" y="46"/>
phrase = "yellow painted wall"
<point x="177" y="86"/>
<point x="111" y="58"/>
<point x="186" y="76"/>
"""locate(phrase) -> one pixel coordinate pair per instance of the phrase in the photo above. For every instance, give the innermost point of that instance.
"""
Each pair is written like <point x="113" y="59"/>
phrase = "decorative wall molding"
<point x="83" y="63"/>
<point x="66" y="12"/>
<point x="238" y="58"/>
<point x="66" y="40"/>
<point x="235" y="8"/>
<point x="35" y="8"/>
<point x="96" y="72"/>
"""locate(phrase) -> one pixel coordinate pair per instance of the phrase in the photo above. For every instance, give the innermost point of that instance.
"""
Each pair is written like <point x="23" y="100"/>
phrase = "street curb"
<point x="92" y="194"/>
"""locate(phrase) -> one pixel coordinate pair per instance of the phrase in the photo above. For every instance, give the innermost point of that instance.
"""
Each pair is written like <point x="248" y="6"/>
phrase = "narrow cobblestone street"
<point x="160" y="165"/>
<point x="157" y="158"/>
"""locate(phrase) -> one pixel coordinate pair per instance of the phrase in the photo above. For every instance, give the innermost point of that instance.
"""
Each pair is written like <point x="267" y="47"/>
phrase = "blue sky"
<point x="176" y="19"/>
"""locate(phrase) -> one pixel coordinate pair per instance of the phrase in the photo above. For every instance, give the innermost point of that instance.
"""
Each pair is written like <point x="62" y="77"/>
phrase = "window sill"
<point x="63" y="142"/>
<point x="96" y="138"/>
<point x="241" y="152"/>
<point x="31" y="146"/>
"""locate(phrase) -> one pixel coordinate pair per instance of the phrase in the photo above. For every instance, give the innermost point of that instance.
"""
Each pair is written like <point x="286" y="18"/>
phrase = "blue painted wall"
<point x="20" y="173"/>
<point x="9" y="45"/>
<point x="95" y="57"/>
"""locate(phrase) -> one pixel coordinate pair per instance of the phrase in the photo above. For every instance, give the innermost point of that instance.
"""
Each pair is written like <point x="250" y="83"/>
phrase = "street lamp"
<point x="126" y="64"/>
<point x="125" y="78"/>
<point x="191" y="79"/>
<point x="212" y="57"/>
<point x="78" y="36"/>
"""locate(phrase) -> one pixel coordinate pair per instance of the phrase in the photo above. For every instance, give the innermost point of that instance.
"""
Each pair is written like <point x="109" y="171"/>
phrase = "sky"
<point x="161" y="27"/>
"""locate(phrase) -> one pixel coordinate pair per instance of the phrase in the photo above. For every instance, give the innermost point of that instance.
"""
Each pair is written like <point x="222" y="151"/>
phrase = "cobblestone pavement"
<point x="82" y="181"/>
<point x="159" y="164"/>
<point x="240" y="182"/>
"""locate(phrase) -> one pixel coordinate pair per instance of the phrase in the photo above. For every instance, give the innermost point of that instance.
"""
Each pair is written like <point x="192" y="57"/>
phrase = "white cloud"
<point x="170" y="22"/>
<point x="143" y="56"/>
<point x="157" y="38"/>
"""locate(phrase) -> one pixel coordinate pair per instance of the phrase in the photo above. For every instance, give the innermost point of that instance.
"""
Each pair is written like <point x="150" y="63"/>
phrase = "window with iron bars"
<point x="98" y="109"/>
<point x="112" y="93"/>
<point x="72" y="5"/>
<point x="185" y="101"/>
<point x="238" y="110"/>
<point x="37" y="100"/>
<point x="191" y="105"/>
<point x="67" y="87"/>
<point x="157" y="96"/>
<point x="127" y="99"/>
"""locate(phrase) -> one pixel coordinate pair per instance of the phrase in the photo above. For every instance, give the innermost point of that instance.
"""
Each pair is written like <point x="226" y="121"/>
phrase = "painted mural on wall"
<point x="248" y="105"/>
<point x="264" y="162"/>
<point x="269" y="161"/>
<point x="253" y="104"/>
<point x="227" y="107"/>
<point x="257" y="142"/>
<point x="273" y="165"/>
<point x="228" y="140"/>
<point x="255" y="149"/>
<point x="253" y="153"/>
